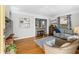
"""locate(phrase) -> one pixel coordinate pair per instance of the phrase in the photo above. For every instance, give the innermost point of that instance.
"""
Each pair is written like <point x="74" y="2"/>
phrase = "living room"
<point x="28" y="34"/>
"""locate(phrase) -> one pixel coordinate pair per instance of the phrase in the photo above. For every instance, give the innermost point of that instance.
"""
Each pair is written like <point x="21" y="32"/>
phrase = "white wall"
<point x="8" y="26"/>
<point x="75" y="20"/>
<point x="24" y="32"/>
<point x="7" y="11"/>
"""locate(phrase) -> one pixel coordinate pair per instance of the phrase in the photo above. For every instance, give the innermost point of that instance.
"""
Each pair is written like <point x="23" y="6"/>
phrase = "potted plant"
<point x="11" y="49"/>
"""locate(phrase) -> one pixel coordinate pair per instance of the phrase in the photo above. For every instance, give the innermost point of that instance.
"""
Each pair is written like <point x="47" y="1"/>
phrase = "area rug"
<point x="41" y="41"/>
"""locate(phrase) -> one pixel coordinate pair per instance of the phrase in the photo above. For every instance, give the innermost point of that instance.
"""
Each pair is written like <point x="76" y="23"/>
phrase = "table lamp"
<point x="76" y="30"/>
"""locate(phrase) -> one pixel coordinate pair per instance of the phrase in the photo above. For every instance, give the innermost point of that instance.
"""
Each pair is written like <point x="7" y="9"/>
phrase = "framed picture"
<point x="24" y="22"/>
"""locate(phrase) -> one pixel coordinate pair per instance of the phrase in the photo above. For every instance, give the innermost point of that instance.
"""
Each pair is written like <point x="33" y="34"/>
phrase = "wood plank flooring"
<point x="27" y="46"/>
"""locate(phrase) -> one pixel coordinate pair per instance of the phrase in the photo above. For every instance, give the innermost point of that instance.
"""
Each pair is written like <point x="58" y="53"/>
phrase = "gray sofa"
<point x="64" y="33"/>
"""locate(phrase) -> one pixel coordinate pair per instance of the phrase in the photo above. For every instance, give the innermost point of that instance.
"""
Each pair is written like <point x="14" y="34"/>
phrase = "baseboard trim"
<point x="27" y="37"/>
<point x="24" y="38"/>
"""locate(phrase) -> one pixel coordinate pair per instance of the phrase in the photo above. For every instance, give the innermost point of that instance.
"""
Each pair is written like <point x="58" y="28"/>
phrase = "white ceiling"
<point x="47" y="10"/>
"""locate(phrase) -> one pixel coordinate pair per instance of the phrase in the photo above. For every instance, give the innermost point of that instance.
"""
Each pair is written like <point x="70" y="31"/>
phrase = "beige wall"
<point x="2" y="17"/>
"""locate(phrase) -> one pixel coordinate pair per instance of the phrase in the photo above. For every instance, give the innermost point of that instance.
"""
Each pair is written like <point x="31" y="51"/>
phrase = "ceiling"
<point x="47" y="10"/>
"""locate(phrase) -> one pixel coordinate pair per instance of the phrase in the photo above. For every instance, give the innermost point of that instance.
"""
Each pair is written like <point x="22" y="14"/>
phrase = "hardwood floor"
<point x="27" y="46"/>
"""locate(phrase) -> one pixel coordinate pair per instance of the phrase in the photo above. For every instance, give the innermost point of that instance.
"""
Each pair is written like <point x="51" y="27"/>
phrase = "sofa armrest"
<point x="51" y="50"/>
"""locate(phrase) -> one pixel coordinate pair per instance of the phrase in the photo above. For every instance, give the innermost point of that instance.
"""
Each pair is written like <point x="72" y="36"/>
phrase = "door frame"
<point x="35" y="25"/>
<point x="2" y="27"/>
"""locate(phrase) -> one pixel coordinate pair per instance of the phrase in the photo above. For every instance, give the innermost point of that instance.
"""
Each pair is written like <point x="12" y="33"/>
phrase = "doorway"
<point x="41" y="27"/>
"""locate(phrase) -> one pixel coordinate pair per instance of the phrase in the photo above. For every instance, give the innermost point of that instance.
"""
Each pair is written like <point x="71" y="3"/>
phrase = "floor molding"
<point x="24" y="38"/>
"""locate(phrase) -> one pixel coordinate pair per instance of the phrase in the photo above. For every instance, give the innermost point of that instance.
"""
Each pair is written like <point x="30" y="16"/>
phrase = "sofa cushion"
<point x="65" y="44"/>
<point x="73" y="37"/>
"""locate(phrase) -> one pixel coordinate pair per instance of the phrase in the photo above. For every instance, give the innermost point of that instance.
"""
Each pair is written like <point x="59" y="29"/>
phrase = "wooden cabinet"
<point x="51" y="30"/>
